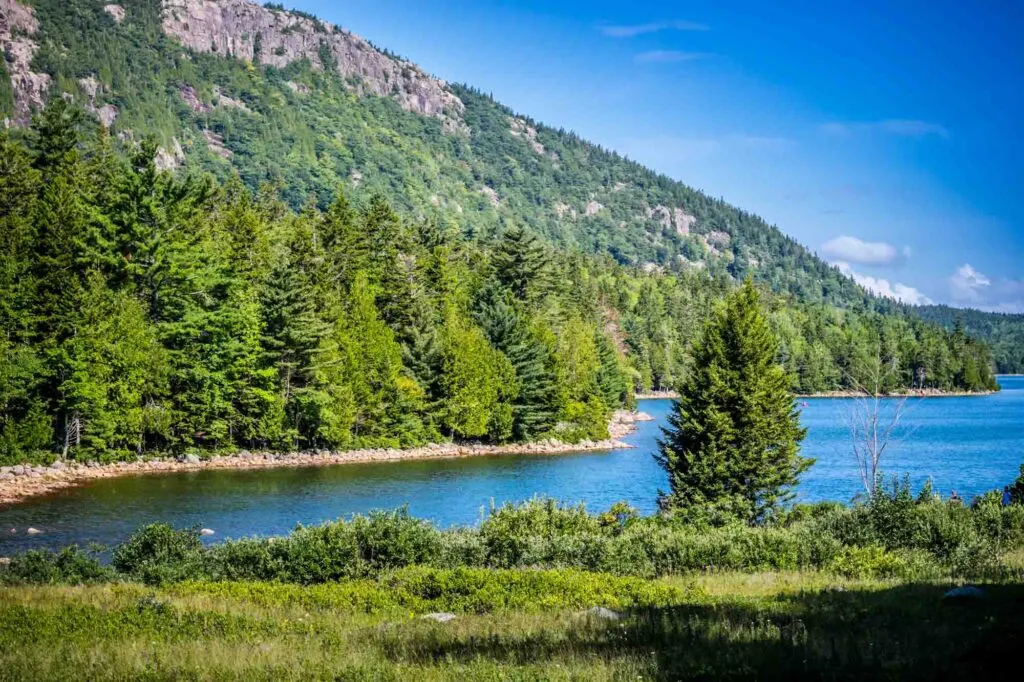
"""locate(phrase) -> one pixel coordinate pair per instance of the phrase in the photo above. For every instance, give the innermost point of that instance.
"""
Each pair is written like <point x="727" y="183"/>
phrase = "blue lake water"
<point x="969" y="444"/>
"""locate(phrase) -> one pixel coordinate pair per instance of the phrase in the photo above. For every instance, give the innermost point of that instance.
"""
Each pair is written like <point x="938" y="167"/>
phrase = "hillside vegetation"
<point x="1003" y="332"/>
<point x="150" y="312"/>
<point x="311" y="122"/>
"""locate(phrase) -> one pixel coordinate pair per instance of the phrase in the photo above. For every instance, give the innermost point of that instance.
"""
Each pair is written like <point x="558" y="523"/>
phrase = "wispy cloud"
<point x="883" y="287"/>
<point x="634" y="30"/>
<point x="893" y="126"/>
<point x="970" y="287"/>
<point x="854" y="250"/>
<point x="668" y="57"/>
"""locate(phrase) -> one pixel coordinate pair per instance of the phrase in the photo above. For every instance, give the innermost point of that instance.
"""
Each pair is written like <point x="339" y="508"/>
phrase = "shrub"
<point x="70" y="566"/>
<point x="158" y="554"/>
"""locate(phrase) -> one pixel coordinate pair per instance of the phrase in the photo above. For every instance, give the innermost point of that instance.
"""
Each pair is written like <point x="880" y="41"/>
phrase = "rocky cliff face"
<point x="17" y="26"/>
<point x="248" y="31"/>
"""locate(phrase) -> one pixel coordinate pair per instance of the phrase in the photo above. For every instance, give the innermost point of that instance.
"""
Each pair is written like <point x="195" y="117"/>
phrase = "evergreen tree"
<point x="522" y="265"/>
<point x="734" y="435"/>
<point x="535" y="407"/>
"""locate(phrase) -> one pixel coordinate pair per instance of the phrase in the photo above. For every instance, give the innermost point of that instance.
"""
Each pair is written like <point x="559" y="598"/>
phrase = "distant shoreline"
<point x="921" y="393"/>
<point x="21" y="482"/>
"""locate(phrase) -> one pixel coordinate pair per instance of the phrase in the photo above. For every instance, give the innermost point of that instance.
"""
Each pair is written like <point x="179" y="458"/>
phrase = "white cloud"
<point x="882" y="287"/>
<point x="967" y="285"/>
<point x="851" y="249"/>
<point x="634" y="30"/>
<point x="668" y="57"/>
<point x="894" y="126"/>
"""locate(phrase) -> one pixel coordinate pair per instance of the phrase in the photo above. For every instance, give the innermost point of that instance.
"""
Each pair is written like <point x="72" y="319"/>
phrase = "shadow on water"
<point x="905" y="632"/>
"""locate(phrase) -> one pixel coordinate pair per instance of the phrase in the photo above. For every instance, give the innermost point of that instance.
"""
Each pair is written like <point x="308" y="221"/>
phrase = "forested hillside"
<point x="149" y="311"/>
<point x="1003" y="332"/>
<point x="285" y="98"/>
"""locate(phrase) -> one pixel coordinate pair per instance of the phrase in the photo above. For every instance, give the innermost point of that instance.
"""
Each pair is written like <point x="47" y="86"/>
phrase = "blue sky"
<point x="884" y="135"/>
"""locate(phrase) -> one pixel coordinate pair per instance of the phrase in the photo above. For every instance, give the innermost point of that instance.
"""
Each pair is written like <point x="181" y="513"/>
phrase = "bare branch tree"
<point x="875" y="420"/>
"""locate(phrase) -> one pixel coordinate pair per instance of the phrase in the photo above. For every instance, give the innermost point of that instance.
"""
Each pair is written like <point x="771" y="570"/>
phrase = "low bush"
<point x="421" y="589"/>
<point x="70" y="566"/>
<point x="893" y="535"/>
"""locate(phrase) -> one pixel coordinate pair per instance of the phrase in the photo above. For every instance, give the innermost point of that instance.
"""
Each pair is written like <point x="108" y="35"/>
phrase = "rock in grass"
<point x="603" y="613"/>
<point x="5" y="561"/>
<point x="33" y="531"/>
<point x="206" y="531"/>
<point x="439" y="617"/>
<point x="965" y="592"/>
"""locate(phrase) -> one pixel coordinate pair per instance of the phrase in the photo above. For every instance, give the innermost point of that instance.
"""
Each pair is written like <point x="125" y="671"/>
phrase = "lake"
<point x="969" y="444"/>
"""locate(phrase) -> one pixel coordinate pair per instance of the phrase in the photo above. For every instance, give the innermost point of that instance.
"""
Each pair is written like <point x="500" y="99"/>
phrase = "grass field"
<point x="731" y="625"/>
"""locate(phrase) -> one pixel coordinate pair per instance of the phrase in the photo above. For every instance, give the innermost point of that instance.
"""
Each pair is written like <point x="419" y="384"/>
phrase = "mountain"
<point x="229" y="226"/>
<point x="277" y="96"/>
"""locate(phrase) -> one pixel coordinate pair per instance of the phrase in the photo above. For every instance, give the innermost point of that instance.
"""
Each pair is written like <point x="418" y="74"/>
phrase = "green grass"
<point x="765" y="626"/>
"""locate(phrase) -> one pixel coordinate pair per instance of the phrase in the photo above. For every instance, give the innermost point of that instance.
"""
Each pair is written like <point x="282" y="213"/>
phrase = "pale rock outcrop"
<point x="225" y="100"/>
<point x="169" y="159"/>
<point x="116" y="12"/>
<point x="300" y="88"/>
<point x="592" y="208"/>
<point x="216" y="144"/>
<point x="191" y="98"/>
<point x="672" y="217"/>
<point x="491" y="195"/>
<point x="18" y="24"/>
<point x="91" y="87"/>
<point x="251" y="32"/>
<point x="520" y="128"/>
<point x="562" y="210"/>
<point x="683" y="221"/>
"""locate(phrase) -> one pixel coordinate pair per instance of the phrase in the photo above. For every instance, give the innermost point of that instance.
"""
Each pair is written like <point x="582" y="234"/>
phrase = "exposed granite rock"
<point x="116" y="12"/>
<point x="247" y="31"/>
<point x="491" y="195"/>
<point x="672" y="217"/>
<point x="592" y="208"/>
<point x="17" y="26"/>
<point x="170" y="159"/>
<point x="225" y="100"/>
<point x="300" y="88"/>
<point x="562" y="210"/>
<point x="520" y="128"/>
<point x="191" y="98"/>
<point x="92" y="88"/>
<point x="683" y="221"/>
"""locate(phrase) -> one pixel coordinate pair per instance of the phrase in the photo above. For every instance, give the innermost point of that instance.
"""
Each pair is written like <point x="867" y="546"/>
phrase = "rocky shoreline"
<point x="20" y="482"/>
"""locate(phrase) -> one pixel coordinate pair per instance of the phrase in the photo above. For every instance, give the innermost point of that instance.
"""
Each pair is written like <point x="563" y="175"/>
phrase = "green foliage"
<point x="734" y="433"/>
<point x="1003" y="332"/>
<point x="461" y="590"/>
<point x="69" y="566"/>
<point x="157" y="554"/>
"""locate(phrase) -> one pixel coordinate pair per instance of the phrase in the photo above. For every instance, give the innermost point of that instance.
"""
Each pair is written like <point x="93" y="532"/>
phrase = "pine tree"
<point x="733" y="439"/>
<point x="523" y="265"/>
<point x="535" y="407"/>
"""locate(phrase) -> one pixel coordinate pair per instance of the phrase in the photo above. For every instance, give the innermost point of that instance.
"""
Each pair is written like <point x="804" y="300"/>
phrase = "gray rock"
<point x="57" y="465"/>
<point x="439" y="617"/>
<point x="965" y="592"/>
<point x="5" y="470"/>
<point x="206" y="532"/>
<point x="18" y="470"/>
<point x="192" y="459"/>
<point x="5" y="561"/>
<point x="33" y="531"/>
<point x="603" y="613"/>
